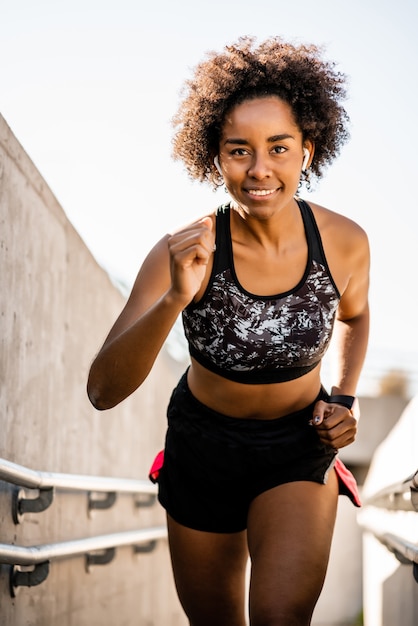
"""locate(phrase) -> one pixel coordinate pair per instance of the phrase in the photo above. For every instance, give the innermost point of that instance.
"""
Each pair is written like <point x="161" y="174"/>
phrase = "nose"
<point x="259" y="167"/>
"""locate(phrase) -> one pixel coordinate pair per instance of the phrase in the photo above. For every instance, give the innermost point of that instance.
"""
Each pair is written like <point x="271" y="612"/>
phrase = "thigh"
<point x="290" y="531"/>
<point x="209" y="572"/>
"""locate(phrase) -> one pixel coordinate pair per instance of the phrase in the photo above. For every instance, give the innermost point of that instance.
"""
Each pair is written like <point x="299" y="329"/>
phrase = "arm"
<point x="336" y="424"/>
<point x="168" y="280"/>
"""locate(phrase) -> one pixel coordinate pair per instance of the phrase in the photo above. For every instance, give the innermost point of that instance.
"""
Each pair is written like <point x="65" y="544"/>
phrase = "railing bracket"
<point x="145" y="548"/>
<point x="414" y="498"/>
<point x="22" y="505"/>
<point x="98" y="500"/>
<point x="27" y="578"/>
<point x="144" y="500"/>
<point x="100" y="558"/>
<point x="401" y="558"/>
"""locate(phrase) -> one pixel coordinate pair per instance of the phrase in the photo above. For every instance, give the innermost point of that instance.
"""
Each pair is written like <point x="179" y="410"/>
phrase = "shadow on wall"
<point x="400" y="585"/>
<point x="389" y="589"/>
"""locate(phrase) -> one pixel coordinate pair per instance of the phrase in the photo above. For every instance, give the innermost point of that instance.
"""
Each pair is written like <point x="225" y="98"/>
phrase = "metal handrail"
<point x="33" y="555"/>
<point x="400" y="547"/>
<point x="33" y="479"/>
<point x="405" y="551"/>
<point x="99" y="550"/>
<point x="46" y="483"/>
<point x="401" y="496"/>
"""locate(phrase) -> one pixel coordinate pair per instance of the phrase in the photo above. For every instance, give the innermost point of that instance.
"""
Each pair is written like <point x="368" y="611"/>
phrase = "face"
<point x="261" y="155"/>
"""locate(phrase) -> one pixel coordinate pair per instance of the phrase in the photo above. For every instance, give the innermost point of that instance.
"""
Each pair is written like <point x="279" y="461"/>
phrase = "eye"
<point x="278" y="149"/>
<point x="239" y="152"/>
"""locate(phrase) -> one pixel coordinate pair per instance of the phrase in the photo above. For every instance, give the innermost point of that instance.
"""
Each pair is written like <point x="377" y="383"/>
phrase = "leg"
<point x="289" y="536"/>
<point x="209" y="572"/>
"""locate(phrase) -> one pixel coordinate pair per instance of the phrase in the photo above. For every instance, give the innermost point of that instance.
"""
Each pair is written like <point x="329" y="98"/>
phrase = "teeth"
<point x="260" y="192"/>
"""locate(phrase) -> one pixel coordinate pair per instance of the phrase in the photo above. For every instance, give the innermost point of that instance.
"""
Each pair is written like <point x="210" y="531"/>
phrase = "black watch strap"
<point x="346" y="401"/>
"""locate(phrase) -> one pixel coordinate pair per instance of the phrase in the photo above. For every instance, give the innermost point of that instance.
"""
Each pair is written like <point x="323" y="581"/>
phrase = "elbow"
<point x="97" y="395"/>
<point x="106" y="389"/>
<point x="97" y="400"/>
<point x="105" y="396"/>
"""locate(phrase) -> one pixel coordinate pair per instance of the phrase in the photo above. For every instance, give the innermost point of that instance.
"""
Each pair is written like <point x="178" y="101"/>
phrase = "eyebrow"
<point x="273" y="139"/>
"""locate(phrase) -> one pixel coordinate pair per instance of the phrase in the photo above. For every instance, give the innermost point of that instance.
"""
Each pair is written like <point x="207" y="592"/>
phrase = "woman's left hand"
<point x="335" y="424"/>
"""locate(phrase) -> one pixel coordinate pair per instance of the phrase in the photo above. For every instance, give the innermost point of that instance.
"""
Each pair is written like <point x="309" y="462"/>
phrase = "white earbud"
<point x="217" y="164"/>
<point x="305" y="159"/>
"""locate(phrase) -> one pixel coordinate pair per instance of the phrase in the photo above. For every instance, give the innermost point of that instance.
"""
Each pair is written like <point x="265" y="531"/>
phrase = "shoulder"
<point x="346" y="247"/>
<point x="338" y="228"/>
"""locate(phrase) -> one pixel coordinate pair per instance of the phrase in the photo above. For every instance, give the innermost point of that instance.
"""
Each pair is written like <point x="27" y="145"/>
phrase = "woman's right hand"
<point x="190" y="251"/>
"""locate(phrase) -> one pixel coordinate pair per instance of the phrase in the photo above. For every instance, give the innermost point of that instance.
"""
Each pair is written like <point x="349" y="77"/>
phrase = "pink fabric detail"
<point x="347" y="483"/>
<point x="156" y="467"/>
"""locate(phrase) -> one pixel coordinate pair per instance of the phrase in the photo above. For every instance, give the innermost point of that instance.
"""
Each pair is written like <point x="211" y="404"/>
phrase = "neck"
<point x="281" y="226"/>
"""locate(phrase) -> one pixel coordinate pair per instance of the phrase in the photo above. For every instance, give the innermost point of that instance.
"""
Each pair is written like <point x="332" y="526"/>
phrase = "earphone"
<point x="217" y="164"/>
<point x="305" y="160"/>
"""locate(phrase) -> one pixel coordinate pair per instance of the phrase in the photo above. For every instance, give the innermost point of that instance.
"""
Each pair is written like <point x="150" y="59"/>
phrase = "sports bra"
<point x="262" y="339"/>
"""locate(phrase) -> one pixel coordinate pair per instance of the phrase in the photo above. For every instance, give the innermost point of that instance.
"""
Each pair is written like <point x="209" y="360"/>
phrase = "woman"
<point x="250" y="463"/>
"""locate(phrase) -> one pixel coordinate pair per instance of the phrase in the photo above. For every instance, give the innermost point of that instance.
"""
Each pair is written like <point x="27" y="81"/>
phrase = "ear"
<point x="217" y="164"/>
<point x="308" y="152"/>
<point x="306" y="157"/>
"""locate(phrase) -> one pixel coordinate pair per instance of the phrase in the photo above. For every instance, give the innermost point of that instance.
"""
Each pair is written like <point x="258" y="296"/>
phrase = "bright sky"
<point x="89" y="88"/>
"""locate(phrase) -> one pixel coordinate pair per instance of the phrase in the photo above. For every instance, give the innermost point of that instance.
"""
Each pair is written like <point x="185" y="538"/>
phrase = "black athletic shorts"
<point x="215" y="465"/>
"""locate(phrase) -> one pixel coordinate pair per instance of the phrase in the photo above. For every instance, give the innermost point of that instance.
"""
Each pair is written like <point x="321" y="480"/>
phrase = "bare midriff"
<point x="245" y="401"/>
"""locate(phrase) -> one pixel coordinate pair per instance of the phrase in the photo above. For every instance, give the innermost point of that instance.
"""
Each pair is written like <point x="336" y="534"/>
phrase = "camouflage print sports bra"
<point x="262" y="339"/>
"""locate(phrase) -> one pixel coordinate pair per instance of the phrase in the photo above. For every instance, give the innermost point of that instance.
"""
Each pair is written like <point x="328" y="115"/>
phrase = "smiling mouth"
<point x="260" y="192"/>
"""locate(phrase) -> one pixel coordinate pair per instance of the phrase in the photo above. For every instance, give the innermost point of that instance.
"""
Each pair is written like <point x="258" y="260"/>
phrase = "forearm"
<point x="336" y="421"/>
<point x="351" y="338"/>
<point x="125" y="360"/>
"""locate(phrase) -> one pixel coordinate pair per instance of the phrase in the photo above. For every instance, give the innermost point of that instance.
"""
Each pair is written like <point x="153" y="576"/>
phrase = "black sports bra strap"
<point x="312" y="233"/>
<point x="221" y="259"/>
<point x="315" y="240"/>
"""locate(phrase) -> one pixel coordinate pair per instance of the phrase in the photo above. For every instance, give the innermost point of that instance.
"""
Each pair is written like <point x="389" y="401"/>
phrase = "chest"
<point x="267" y="273"/>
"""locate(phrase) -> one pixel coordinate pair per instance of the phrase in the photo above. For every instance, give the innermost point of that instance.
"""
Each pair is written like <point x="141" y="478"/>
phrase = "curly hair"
<point x="295" y="73"/>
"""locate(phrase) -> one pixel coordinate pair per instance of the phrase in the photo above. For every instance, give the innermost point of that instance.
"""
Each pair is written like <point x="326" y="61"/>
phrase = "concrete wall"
<point x="56" y="306"/>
